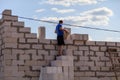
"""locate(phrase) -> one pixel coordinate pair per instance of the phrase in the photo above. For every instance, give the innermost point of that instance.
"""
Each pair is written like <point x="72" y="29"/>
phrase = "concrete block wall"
<point x="22" y="53"/>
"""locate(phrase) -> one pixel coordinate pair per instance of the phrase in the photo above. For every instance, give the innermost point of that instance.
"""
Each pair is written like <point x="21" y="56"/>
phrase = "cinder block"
<point x="68" y="52"/>
<point x="76" y="37"/>
<point x="7" y="12"/>
<point x="90" y="43"/>
<point x="31" y="51"/>
<point x="37" y="57"/>
<point x="17" y="51"/>
<point x="37" y="46"/>
<point x="100" y="54"/>
<point x="31" y="63"/>
<point x="100" y="43"/>
<point x="10" y="40"/>
<point x="51" y="70"/>
<point x="110" y="43"/>
<point x="18" y="62"/>
<point x="66" y="58"/>
<point x="17" y="35"/>
<point x="44" y="41"/>
<point x="72" y="47"/>
<point x="22" y="40"/>
<point x="25" y="29"/>
<point x="68" y="42"/>
<point x="77" y="42"/>
<point x="6" y="23"/>
<point x="59" y="63"/>
<point x="49" y="47"/>
<point x="78" y="53"/>
<point x="10" y="45"/>
<point x="42" y="52"/>
<point x="41" y="32"/>
<point x="85" y="37"/>
<point x="31" y="35"/>
<point x="9" y="29"/>
<point x="9" y="18"/>
<point x="24" y="57"/>
<point x="32" y="40"/>
<point x="94" y="48"/>
<point x="18" y="24"/>
<point x="24" y="46"/>
<point x="49" y="57"/>
<point x="86" y="48"/>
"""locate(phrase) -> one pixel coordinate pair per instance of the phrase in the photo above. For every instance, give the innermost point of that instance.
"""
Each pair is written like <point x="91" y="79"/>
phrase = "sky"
<point x="103" y="14"/>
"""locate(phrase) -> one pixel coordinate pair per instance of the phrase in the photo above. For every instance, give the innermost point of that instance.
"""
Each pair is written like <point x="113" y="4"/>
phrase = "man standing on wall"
<point x="60" y="36"/>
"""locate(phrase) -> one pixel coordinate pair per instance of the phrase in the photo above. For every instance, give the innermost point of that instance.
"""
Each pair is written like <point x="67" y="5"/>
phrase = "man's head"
<point x="60" y="21"/>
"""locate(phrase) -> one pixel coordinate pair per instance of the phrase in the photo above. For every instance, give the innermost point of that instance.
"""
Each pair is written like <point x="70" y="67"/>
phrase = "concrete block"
<point x="94" y="48"/>
<point x="31" y="35"/>
<point x="32" y="40"/>
<point x="17" y="51"/>
<point x="66" y="58"/>
<point x="100" y="43"/>
<point x="51" y="70"/>
<point x="49" y="57"/>
<point x="17" y="35"/>
<point x="9" y="18"/>
<point x="25" y="30"/>
<point x="22" y="40"/>
<point x="59" y="63"/>
<point x="85" y="37"/>
<point x="31" y="63"/>
<point x="86" y="48"/>
<point x="7" y="12"/>
<point x="44" y="41"/>
<point x="103" y="48"/>
<point x="18" y="24"/>
<point x="37" y="46"/>
<point x="68" y="52"/>
<point x="18" y="62"/>
<point x="78" y="53"/>
<point x="24" y="57"/>
<point x="105" y="74"/>
<point x="10" y="40"/>
<point x="24" y="46"/>
<point x="37" y="57"/>
<point x="6" y="23"/>
<point x="10" y="45"/>
<point x="31" y="51"/>
<point x="84" y="58"/>
<point x="42" y="52"/>
<point x="53" y="52"/>
<point x="41" y="32"/>
<point x="68" y="42"/>
<point x="76" y="37"/>
<point x="49" y="47"/>
<point x="9" y="29"/>
<point x="72" y="47"/>
<point x="77" y="42"/>
<point x="110" y="43"/>
<point x="100" y="54"/>
<point x="90" y="43"/>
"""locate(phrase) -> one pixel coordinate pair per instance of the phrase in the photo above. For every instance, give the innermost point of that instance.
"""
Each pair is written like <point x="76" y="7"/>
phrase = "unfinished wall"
<point x="22" y="53"/>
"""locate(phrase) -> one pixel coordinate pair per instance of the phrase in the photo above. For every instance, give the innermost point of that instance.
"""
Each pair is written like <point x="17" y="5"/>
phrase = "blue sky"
<point x="103" y="14"/>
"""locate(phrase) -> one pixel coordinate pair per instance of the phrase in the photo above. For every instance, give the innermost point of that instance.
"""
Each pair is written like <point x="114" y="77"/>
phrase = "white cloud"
<point x="113" y="39"/>
<point x="99" y="11"/>
<point x="39" y="10"/>
<point x="72" y="2"/>
<point x="95" y="17"/>
<point x="62" y="11"/>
